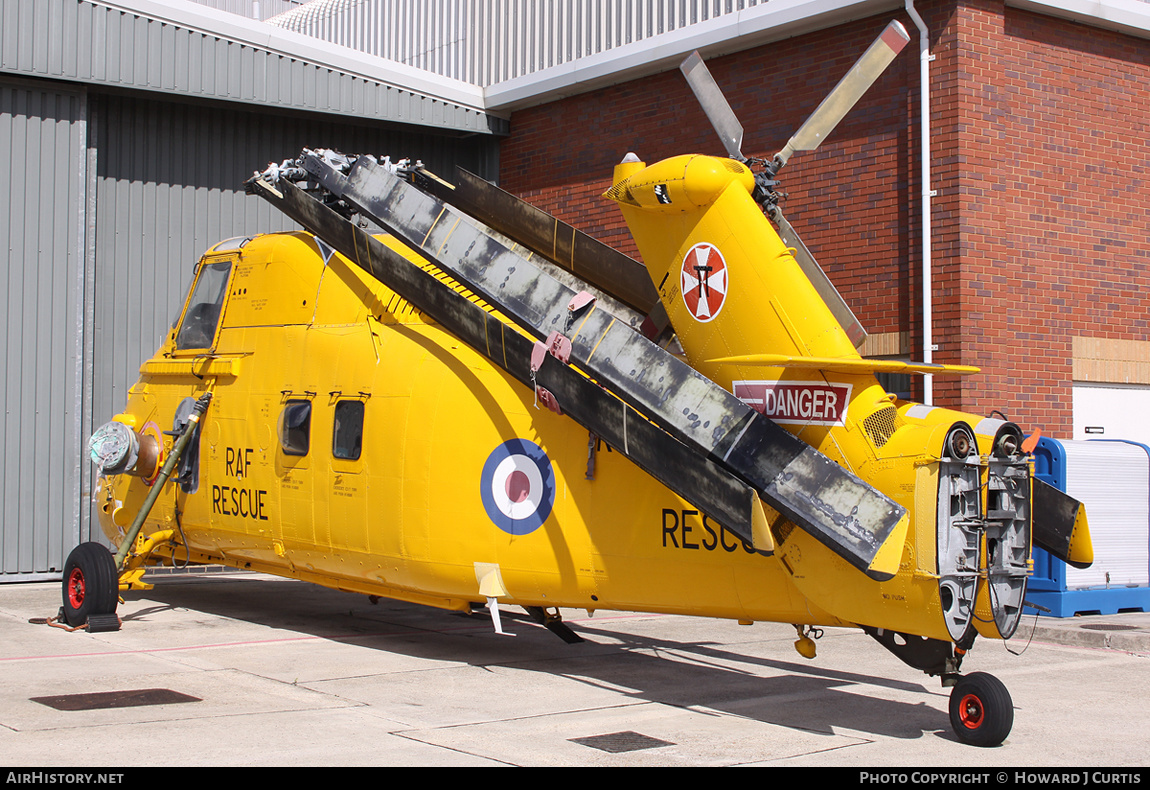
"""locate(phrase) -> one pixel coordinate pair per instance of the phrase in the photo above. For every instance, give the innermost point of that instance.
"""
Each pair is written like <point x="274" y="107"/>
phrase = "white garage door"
<point x="1112" y="411"/>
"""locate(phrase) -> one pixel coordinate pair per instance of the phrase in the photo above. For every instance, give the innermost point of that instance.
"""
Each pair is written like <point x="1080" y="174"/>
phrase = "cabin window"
<point x="347" y="436"/>
<point x="198" y="329"/>
<point x="295" y="427"/>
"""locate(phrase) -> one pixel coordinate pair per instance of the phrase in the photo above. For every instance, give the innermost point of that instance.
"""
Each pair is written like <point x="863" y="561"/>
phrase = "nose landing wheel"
<point x="981" y="710"/>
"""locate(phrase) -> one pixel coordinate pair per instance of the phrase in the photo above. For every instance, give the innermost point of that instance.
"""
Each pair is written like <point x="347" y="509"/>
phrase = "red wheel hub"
<point x="971" y="712"/>
<point x="76" y="588"/>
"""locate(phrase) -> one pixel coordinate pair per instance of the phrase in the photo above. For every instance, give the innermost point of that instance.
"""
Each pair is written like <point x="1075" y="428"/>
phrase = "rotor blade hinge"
<point x="579" y="302"/>
<point x="548" y="400"/>
<point x="558" y="345"/>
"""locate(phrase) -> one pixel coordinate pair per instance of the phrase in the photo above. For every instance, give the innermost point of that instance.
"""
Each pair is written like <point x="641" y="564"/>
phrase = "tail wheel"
<point x="981" y="711"/>
<point x="91" y="583"/>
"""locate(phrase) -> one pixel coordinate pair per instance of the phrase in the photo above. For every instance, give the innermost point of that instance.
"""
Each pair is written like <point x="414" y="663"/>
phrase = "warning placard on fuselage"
<point x="796" y="402"/>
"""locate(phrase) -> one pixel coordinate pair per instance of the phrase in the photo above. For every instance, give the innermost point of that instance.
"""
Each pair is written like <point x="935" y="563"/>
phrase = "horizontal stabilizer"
<point x="1060" y="526"/>
<point x="844" y="365"/>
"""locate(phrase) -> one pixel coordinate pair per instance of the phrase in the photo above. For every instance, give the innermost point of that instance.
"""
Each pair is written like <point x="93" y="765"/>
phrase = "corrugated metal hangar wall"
<point x="110" y="195"/>
<point x="43" y="147"/>
<point x="489" y="41"/>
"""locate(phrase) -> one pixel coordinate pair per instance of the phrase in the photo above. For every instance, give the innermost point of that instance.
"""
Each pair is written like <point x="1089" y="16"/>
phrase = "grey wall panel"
<point x="43" y="151"/>
<point x="108" y="201"/>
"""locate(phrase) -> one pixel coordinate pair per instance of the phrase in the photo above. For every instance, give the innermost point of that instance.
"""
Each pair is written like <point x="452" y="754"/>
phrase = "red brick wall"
<point x="1039" y="226"/>
<point x="1051" y="198"/>
<point x="561" y="155"/>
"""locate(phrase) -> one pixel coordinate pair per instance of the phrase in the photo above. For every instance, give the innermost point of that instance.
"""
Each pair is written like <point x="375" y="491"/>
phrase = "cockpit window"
<point x="198" y="329"/>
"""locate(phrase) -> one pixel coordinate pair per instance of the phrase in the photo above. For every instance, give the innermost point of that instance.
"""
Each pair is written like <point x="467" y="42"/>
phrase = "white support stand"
<point x="493" y="606"/>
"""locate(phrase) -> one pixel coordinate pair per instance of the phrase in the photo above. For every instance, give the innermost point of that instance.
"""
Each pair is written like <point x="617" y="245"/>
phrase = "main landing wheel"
<point x="91" y="584"/>
<point x="981" y="711"/>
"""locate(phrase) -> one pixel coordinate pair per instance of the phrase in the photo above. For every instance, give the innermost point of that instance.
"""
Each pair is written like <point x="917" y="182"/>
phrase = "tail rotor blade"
<point x="714" y="104"/>
<point x="806" y="261"/>
<point x="846" y="94"/>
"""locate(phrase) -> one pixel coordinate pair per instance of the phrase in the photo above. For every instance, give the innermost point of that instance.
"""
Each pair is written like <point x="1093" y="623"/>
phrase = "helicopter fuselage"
<point x="435" y="497"/>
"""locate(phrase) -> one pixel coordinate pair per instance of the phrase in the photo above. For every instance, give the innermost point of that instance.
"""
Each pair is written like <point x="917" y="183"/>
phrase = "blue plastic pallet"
<point x="1071" y="603"/>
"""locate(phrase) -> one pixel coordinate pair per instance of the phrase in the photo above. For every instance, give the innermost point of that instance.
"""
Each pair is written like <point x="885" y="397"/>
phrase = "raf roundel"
<point x="704" y="281"/>
<point x="518" y="486"/>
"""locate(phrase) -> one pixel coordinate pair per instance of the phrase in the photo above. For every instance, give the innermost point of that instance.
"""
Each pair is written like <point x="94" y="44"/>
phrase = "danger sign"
<point x="796" y="402"/>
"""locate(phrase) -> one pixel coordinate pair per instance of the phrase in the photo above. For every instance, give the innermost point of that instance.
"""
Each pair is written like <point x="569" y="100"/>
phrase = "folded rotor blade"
<point x="695" y="476"/>
<point x="835" y="506"/>
<point x="714" y="104"/>
<point x="834" y="300"/>
<point x="847" y="93"/>
<point x="604" y="267"/>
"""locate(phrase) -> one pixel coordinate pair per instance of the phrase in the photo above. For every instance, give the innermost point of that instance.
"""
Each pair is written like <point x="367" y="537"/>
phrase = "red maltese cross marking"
<point x="704" y="281"/>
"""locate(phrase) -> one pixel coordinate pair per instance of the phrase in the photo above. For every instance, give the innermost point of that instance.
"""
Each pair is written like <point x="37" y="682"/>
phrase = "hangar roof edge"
<point x="185" y="48"/>
<point x="179" y="47"/>
<point x="752" y="27"/>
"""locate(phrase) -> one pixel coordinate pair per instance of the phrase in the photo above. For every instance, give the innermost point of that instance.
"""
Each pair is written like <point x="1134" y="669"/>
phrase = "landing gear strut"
<point x="981" y="711"/>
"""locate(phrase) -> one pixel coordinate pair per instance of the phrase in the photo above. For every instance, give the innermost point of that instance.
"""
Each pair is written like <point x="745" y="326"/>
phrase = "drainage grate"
<point x="115" y="699"/>
<point x="1108" y="627"/>
<point x="617" y="742"/>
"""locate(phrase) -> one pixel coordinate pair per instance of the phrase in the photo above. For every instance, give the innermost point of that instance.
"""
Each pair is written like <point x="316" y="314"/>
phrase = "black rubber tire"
<point x="91" y="584"/>
<point x="981" y="710"/>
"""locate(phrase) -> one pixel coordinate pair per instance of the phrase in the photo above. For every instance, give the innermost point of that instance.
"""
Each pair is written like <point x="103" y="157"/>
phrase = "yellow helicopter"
<point x="485" y="406"/>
